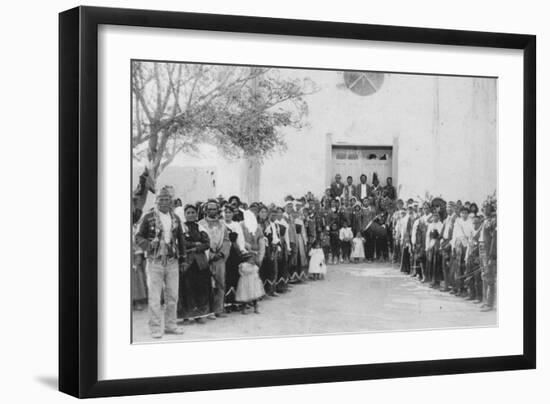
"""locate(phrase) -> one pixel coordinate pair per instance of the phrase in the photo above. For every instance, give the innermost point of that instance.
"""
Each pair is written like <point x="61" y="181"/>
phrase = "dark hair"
<point x="489" y="207"/>
<point x="234" y="198"/>
<point x="190" y="206"/>
<point x="474" y="208"/>
<point x="349" y="176"/>
<point x="464" y="209"/>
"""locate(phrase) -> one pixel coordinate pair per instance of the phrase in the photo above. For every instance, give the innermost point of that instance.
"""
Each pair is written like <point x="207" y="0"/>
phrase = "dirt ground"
<point x="352" y="298"/>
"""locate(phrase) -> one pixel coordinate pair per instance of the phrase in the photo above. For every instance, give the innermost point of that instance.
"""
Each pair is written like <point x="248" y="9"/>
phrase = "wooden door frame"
<point x="354" y="146"/>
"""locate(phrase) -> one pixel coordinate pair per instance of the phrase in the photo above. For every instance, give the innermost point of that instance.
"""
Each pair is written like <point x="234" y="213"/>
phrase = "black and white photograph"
<point x="274" y="201"/>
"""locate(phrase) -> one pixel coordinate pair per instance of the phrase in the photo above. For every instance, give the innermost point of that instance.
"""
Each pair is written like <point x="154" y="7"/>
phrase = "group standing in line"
<point x="208" y="259"/>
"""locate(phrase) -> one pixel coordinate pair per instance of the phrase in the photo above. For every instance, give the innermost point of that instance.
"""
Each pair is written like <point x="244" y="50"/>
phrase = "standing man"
<point x="433" y="254"/>
<point x="363" y="190"/>
<point x="349" y="189"/>
<point x="390" y="189"/>
<point x="406" y="233"/>
<point x="160" y="235"/>
<point x="462" y="231"/>
<point x="337" y="187"/>
<point x="396" y="231"/>
<point x="235" y="202"/>
<point x="218" y="253"/>
<point x="369" y="214"/>
<point x="446" y="247"/>
<point x="488" y="256"/>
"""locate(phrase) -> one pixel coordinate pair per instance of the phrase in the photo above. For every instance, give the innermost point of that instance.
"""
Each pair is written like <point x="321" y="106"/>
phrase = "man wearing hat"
<point x="160" y="235"/>
<point x="218" y="253"/>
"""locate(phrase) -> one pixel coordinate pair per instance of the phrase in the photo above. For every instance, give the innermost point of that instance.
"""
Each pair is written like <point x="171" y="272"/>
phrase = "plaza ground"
<point x="352" y="298"/>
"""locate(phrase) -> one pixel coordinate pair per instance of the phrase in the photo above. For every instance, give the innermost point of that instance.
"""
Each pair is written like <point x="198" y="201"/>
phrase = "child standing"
<point x="334" y="236"/>
<point x="346" y="236"/>
<point x="249" y="288"/>
<point x="358" y="251"/>
<point x="317" y="266"/>
<point x="324" y="241"/>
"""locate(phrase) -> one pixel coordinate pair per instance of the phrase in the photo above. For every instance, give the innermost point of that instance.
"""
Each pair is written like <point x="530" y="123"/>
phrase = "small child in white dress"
<point x="317" y="265"/>
<point x="358" y="249"/>
<point x="250" y="287"/>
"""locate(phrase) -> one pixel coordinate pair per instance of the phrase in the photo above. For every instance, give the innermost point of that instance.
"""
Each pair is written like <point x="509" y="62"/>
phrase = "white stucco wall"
<point x="445" y="129"/>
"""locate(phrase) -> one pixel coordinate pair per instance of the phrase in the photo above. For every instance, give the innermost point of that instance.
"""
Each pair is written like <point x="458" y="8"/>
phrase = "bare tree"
<point x="178" y="106"/>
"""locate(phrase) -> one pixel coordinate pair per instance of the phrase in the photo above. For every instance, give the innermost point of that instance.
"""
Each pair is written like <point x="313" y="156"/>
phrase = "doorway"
<point x="357" y="160"/>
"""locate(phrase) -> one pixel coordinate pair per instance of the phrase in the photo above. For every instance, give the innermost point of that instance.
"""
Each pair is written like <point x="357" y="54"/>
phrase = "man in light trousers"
<point x="160" y="234"/>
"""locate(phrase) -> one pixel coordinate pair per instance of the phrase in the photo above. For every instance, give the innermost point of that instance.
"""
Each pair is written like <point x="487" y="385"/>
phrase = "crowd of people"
<point x="208" y="259"/>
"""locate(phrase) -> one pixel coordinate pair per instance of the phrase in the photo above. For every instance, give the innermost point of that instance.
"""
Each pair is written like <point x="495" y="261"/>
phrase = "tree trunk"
<point x="250" y="179"/>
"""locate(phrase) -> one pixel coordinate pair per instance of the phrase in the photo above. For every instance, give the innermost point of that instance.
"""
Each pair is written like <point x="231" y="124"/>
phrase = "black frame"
<point x="78" y="175"/>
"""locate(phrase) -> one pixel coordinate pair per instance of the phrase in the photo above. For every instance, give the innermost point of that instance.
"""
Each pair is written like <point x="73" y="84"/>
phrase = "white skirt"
<point x="317" y="263"/>
<point x="250" y="286"/>
<point x="357" y="251"/>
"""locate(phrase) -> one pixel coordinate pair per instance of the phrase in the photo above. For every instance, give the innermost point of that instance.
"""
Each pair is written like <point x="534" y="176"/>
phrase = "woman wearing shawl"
<point x="301" y="251"/>
<point x="254" y="239"/>
<point x="235" y="255"/>
<point x="281" y="284"/>
<point x="195" y="282"/>
<point x="268" y="269"/>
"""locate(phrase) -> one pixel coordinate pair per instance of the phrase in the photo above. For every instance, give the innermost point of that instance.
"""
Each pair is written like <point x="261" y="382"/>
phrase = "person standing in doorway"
<point x="363" y="190"/>
<point x="349" y="189"/>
